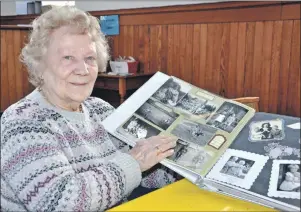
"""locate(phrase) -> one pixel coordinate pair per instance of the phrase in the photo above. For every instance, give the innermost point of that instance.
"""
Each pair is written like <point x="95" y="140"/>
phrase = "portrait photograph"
<point x="285" y="179"/>
<point x="227" y="116"/>
<point x="194" y="132"/>
<point x="136" y="128"/>
<point x="156" y="113"/>
<point x="266" y="130"/>
<point x="171" y="92"/>
<point x="196" y="106"/>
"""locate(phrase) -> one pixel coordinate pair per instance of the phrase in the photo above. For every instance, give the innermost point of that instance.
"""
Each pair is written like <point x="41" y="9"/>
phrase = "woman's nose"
<point x="82" y="68"/>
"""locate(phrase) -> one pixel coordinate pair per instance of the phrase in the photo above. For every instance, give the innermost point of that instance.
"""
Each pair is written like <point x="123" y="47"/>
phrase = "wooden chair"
<point x="250" y="101"/>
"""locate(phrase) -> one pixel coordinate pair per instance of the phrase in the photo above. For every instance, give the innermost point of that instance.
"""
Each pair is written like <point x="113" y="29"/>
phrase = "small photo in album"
<point x="266" y="130"/>
<point x="135" y="128"/>
<point x="285" y="179"/>
<point x="238" y="168"/>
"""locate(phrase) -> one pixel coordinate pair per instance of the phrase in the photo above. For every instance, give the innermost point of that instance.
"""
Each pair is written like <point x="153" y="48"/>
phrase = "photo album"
<point x="207" y="152"/>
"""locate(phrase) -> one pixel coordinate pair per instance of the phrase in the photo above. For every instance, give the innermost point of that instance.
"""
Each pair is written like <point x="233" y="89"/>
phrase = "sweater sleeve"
<point x="35" y="167"/>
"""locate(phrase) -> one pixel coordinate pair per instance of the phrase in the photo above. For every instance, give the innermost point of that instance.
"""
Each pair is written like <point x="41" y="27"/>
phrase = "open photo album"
<point x="207" y="153"/>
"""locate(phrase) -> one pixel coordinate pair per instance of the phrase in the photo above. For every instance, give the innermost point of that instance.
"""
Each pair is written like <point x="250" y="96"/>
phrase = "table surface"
<point x="185" y="196"/>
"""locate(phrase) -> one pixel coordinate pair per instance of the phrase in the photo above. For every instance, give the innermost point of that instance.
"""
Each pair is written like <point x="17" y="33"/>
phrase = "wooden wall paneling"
<point x="115" y="47"/>
<point x="293" y="103"/>
<point x="4" y="72"/>
<point x="176" y="50"/>
<point x="196" y="54"/>
<point x="275" y="67"/>
<point x="215" y="72"/>
<point x="18" y="66"/>
<point x="257" y="60"/>
<point x="183" y="71"/>
<point x="136" y="43"/>
<point x="170" y="49"/>
<point x="250" y="39"/>
<point x="231" y="72"/>
<point x="285" y="64"/>
<point x="188" y="53"/>
<point x="154" y="48"/>
<point x="266" y="65"/>
<point x="240" y="60"/>
<point x="121" y="46"/>
<point x="130" y="41"/>
<point x="26" y="84"/>
<point x="164" y="48"/>
<point x="209" y="58"/>
<point x="203" y="55"/>
<point x="146" y="37"/>
<point x="11" y="68"/>
<point x="224" y="62"/>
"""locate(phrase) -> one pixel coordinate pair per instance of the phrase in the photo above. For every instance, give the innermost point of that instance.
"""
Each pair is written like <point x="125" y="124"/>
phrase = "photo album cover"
<point x="206" y="126"/>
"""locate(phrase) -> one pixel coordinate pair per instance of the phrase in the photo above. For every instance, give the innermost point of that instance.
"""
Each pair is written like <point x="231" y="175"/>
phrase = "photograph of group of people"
<point x="155" y="113"/>
<point x="266" y="130"/>
<point x="237" y="167"/>
<point x="227" y="116"/>
<point x="136" y="128"/>
<point x="171" y="92"/>
<point x="196" y="105"/>
<point x="194" y="132"/>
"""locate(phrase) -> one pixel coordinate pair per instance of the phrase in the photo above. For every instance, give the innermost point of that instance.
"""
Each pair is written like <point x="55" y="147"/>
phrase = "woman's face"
<point x="70" y="65"/>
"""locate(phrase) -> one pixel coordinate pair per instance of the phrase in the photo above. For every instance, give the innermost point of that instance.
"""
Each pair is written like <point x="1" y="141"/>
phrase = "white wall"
<point x="8" y="8"/>
<point x="125" y="4"/>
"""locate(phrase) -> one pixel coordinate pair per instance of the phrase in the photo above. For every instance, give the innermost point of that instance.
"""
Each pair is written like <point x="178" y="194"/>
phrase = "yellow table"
<point x="185" y="196"/>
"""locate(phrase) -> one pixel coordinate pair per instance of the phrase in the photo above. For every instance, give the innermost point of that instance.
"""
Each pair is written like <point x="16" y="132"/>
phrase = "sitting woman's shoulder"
<point x="98" y="107"/>
<point x="23" y="109"/>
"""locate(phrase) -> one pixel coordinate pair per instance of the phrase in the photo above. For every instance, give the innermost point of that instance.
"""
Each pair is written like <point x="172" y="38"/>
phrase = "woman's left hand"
<point x="149" y="152"/>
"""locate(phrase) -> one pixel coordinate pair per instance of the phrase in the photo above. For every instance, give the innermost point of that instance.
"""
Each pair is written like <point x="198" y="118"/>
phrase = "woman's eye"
<point x="68" y="57"/>
<point x="91" y="58"/>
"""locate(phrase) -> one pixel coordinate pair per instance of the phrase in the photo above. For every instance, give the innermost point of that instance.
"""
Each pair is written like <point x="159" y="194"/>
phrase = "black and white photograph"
<point x="136" y="128"/>
<point x="171" y="92"/>
<point x="237" y="167"/>
<point x="190" y="156"/>
<point x="180" y="150"/>
<point x="197" y="106"/>
<point x="267" y="130"/>
<point x="194" y="132"/>
<point x="285" y="179"/>
<point x="227" y="117"/>
<point x="154" y="112"/>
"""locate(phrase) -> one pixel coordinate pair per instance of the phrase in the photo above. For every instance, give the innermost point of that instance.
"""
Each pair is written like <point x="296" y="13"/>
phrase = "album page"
<point x="264" y="161"/>
<point x="204" y="123"/>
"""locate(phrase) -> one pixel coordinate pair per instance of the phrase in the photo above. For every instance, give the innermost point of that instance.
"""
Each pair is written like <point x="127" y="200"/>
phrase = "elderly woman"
<point x="55" y="154"/>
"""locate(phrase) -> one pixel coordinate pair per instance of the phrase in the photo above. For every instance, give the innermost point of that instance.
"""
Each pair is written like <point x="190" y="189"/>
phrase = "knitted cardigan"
<point x="55" y="160"/>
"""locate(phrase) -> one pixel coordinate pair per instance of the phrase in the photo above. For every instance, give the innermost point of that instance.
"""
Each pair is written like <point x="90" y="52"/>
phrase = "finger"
<point x="165" y="154"/>
<point x="164" y="140"/>
<point x="167" y="146"/>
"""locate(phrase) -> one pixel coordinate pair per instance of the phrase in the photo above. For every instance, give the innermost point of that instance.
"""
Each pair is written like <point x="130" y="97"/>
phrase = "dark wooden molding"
<point x="15" y="27"/>
<point x="196" y="13"/>
<point x="291" y="11"/>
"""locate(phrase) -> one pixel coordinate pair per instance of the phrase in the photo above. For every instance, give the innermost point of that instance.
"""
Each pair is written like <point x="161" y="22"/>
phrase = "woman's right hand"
<point x="148" y="152"/>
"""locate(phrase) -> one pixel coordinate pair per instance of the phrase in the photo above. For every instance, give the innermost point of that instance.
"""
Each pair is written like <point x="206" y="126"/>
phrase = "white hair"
<point x="53" y="19"/>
